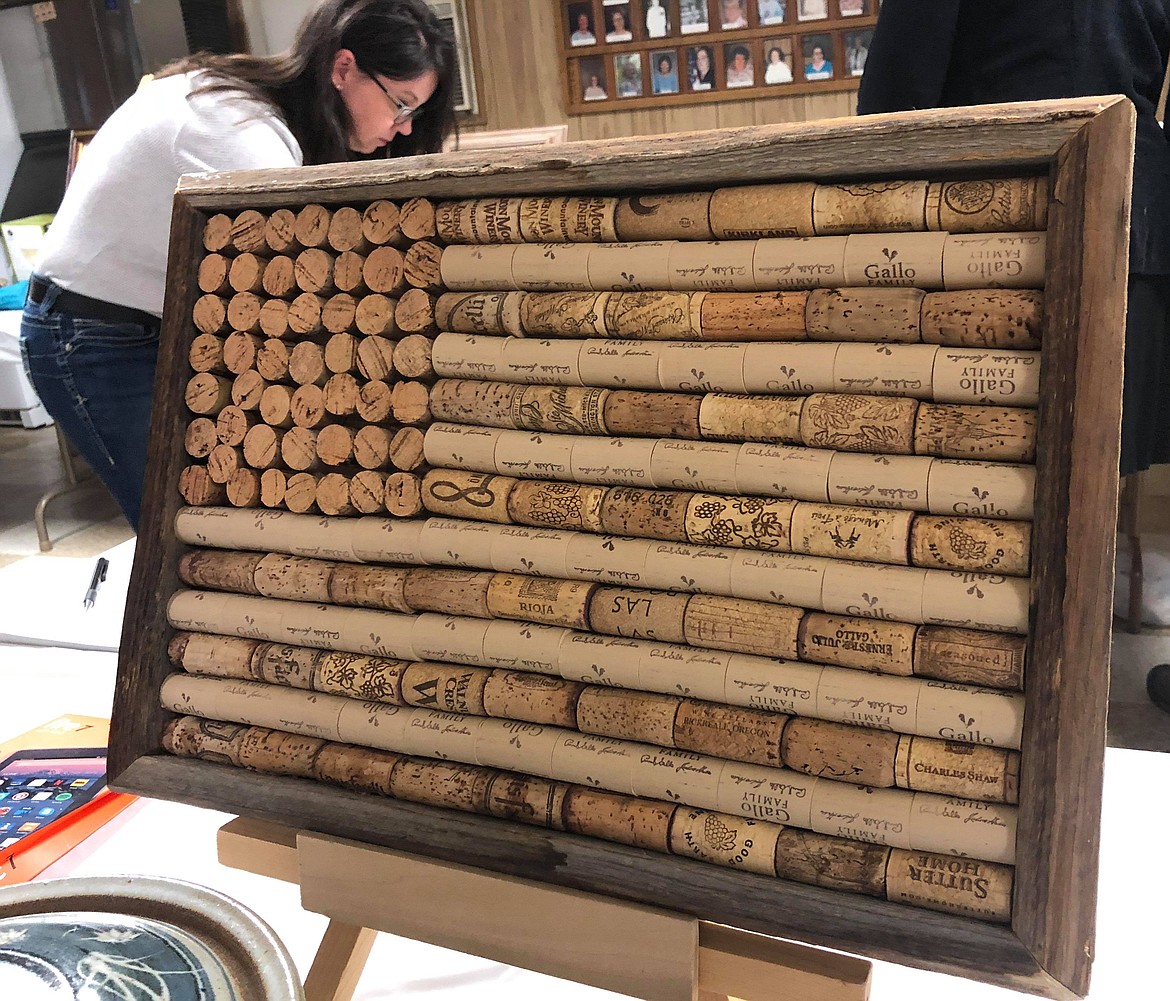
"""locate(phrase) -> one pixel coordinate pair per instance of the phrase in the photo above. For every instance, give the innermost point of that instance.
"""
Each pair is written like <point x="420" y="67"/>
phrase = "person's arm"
<point x="909" y="56"/>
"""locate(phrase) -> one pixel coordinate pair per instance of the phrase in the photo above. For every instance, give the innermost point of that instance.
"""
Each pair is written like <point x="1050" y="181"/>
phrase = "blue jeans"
<point x="96" y="379"/>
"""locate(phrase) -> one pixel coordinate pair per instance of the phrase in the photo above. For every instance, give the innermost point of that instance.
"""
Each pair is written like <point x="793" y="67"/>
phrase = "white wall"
<point x="272" y="24"/>
<point x="158" y="24"/>
<point x="28" y="70"/>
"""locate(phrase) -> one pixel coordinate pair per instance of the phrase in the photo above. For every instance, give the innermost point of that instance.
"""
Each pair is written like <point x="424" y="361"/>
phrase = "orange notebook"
<point x="53" y="794"/>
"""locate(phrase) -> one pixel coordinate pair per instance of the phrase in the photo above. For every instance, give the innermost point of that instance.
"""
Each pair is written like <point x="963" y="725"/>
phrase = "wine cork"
<point x="523" y="647"/>
<point x="239" y="352"/>
<point x="607" y="559"/>
<point x="670" y="415"/>
<point x="217" y="233"/>
<point x="721" y="839"/>
<point x="273" y="483"/>
<point x="887" y="315"/>
<point x="223" y="461"/>
<point x="750" y="418"/>
<point x="469" y="356"/>
<point x="203" y="738"/>
<point x="206" y="353"/>
<point x="913" y="260"/>
<point x="651" y="316"/>
<point x="296" y="578"/>
<point x="978" y="544"/>
<point x="718" y="266"/>
<point x="369" y="587"/>
<point x="335" y="444"/>
<point x="383" y="271"/>
<point x="957" y="768"/>
<point x="359" y="768"/>
<point x="656" y="615"/>
<point x="957" y="885"/>
<point x="563" y="314"/>
<point x="969" y="656"/>
<point x="262" y="446"/>
<point x="527" y="799"/>
<point x="478" y="268"/>
<point x="623" y="819"/>
<point x="493" y="220"/>
<point x="381" y="223"/>
<point x="406" y="449"/>
<point x="367" y="492"/>
<point x="664" y="217"/>
<point x="341" y="353"/>
<point x="300" y="493"/>
<point x="307" y="406"/>
<point x="306" y="364"/>
<point x="243" y="312"/>
<point x="247" y="389"/>
<point x="197" y="488"/>
<point x="304" y="314"/>
<point x="694" y="465"/>
<point x="298" y="449"/>
<point x="860" y="643"/>
<point x="404" y="495"/>
<point x="839" y="752"/>
<point x="534" y="698"/>
<point x="374" y="402"/>
<point x="741" y="522"/>
<point x="480" y="312"/>
<point x="879" y="815"/>
<point x="696" y="568"/>
<point x="788" y="369"/>
<point x="991" y="433"/>
<point x="628" y="267"/>
<point x="615" y="461"/>
<point x="421" y="266"/>
<point x="345" y="231"/>
<point x="873" y="591"/>
<point x="988" y="206"/>
<point x="574" y="218"/>
<point x="779" y="577"/>
<point x="456" y="446"/>
<point x="880" y="480"/>
<point x="272" y="360"/>
<point x="349" y="273"/>
<point x="971" y="375"/>
<point x="550" y="267"/>
<point x="763" y="210"/>
<point x="729" y="732"/>
<point x="311" y="228"/>
<point x="570" y="506"/>
<point x="359" y="677"/>
<point x="651" y="514"/>
<point x="411" y="402"/>
<point x="533" y="455"/>
<point x="454" y="592"/>
<point x="375" y="358"/>
<point x="213" y="274"/>
<point x="627" y="715"/>
<point x="453" y="786"/>
<point x="990" y="318"/>
<point x="247" y="273"/>
<point x="835" y="863"/>
<point x="248" y="232"/>
<point x="371" y="447"/>
<point x="417" y="219"/>
<point x="200" y="438"/>
<point x="872" y="207"/>
<point x="374" y="315"/>
<point x="742" y="626"/>
<point x="207" y="394"/>
<point x="806" y="263"/>
<point x="341" y="394"/>
<point x="220" y="571"/>
<point x="676" y="775"/>
<point x="210" y="314"/>
<point x="339" y="313"/>
<point x="206" y="653"/>
<point x="415" y="312"/>
<point x="274" y="318"/>
<point x="276" y="406"/>
<point x="860" y="423"/>
<point x="710" y="367"/>
<point x="780" y="471"/>
<point x="457" y="494"/>
<point x="746" y="316"/>
<point x="412" y="357"/>
<point x="280" y="232"/>
<point x="975" y="601"/>
<point x="622" y="364"/>
<point x="233" y="424"/>
<point x="445" y="687"/>
<point x="555" y="602"/>
<point x="1000" y="260"/>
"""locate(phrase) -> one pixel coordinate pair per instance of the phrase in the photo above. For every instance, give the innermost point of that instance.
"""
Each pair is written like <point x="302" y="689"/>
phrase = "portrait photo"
<point x="664" y="71"/>
<point x="853" y="8"/>
<point x="627" y="71"/>
<point x="772" y="11"/>
<point x="692" y="17"/>
<point x="732" y="14"/>
<point x="856" y="51"/>
<point x="812" y="10"/>
<point x="579" y="17"/>
<point x="591" y="73"/>
<point x="778" y="60"/>
<point x="617" y="21"/>
<point x="737" y="63"/>
<point x="701" y="68"/>
<point x="657" y="19"/>
<point x="818" y="56"/>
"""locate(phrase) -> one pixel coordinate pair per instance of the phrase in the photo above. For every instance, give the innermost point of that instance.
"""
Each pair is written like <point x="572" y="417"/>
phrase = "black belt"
<point x="83" y="306"/>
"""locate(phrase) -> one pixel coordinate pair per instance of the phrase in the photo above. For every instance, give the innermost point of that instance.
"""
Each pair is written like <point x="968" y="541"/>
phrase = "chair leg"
<point x="71" y="482"/>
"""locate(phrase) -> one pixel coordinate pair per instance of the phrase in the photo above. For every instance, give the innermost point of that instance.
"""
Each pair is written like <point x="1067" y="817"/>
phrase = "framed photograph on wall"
<point x="812" y="10"/>
<point x="692" y="17"/>
<point x="618" y="23"/>
<point x="664" y="71"/>
<point x="732" y="14"/>
<point x="853" y="8"/>
<point x="658" y="22"/>
<point x="772" y="11"/>
<point x="817" y="51"/>
<point x="778" y="61"/>
<point x="857" y="50"/>
<point x="701" y="68"/>
<point x="738" y="68"/>
<point x="579" y="19"/>
<point x="591" y="74"/>
<point x="627" y="74"/>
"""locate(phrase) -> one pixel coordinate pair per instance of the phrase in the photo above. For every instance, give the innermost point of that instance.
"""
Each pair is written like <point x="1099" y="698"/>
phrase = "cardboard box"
<point x="23" y="239"/>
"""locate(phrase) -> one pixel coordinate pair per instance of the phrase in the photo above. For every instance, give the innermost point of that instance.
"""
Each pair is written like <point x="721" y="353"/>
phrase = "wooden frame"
<point x="1085" y="145"/>
<point x="756" y="36"/>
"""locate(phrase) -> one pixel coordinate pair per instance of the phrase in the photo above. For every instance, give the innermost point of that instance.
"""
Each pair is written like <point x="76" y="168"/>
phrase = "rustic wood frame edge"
<point x="1046" y="950"/>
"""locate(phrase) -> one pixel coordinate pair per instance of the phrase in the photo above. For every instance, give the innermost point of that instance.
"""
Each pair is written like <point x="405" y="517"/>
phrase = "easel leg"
<point x="339" y="962"/>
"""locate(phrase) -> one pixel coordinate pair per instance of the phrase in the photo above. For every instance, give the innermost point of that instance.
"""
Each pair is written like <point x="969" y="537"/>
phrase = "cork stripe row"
<point x="813" y="747"/>
<point x="940" y="882"/>
<point x="898" y="818"/>
<point x="714" y="622"/>
<point x="794" y="209"/>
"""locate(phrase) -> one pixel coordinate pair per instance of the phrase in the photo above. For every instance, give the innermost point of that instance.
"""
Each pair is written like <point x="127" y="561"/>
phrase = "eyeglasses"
<point x="404" y="111"/>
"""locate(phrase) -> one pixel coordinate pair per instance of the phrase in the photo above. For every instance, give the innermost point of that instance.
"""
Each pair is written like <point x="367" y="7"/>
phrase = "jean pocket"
<point x="100" y="334"/>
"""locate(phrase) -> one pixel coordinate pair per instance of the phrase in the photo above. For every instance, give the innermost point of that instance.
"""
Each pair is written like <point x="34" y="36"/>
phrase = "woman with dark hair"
<point x="363" y="79"/>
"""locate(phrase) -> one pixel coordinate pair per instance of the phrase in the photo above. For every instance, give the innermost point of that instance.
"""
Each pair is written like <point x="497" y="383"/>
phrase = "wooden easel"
<point x="607" y="943"/>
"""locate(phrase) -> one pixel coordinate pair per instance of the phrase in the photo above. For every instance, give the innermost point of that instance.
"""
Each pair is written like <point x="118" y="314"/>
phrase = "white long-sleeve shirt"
<point x="109" y="239"/>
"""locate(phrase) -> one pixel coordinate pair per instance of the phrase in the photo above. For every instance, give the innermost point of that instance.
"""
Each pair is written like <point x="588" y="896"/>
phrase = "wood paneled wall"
<point x="519" y="82"/>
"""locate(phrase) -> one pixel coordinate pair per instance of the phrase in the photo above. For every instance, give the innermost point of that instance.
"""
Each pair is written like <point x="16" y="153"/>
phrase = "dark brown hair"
<point x="397" y="39"/>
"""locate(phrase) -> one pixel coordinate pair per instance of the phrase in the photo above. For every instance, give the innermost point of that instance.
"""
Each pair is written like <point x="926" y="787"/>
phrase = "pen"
<point x="99" y="574"/>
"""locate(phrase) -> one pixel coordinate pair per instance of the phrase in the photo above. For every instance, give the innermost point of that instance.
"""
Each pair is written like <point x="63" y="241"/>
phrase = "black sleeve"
<point x="908" y="59"/>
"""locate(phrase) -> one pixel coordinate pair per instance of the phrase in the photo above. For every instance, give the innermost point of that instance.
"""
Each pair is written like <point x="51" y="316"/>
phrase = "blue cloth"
<point x="12" y="296"/>
<point x="96" y="379"/>
<point x="666" y="83"/>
